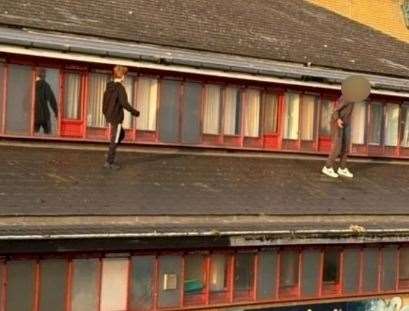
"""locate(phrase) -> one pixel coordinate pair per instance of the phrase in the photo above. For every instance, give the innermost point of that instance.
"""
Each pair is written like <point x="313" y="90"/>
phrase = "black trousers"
<point x="46" y="125"/>
<point x="117" y="135"/>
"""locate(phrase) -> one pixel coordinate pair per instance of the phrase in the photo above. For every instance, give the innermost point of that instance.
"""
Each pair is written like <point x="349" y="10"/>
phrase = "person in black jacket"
<point x="43" y="96"/>
<point x="115" y="100"/>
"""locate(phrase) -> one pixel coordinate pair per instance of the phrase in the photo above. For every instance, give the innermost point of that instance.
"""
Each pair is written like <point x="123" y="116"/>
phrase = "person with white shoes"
<point x="341" y="136"/>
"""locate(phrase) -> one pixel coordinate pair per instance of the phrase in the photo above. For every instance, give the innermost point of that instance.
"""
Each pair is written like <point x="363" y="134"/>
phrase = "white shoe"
<point x="345" y="172"/>
<point x="329" y="172"/>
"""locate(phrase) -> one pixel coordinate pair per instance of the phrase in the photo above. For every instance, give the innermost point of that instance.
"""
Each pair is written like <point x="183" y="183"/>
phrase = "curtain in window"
<point x="146" y="103"/>
<point x="358" y="123"/>
<point x="291" y="116"/>
<point x="129" y="88"/>
<point x="405" y="136"/>
<point x="211" y="110"/>
<point x="375" y="121"/>
<point x="307" y="117"/>
<point x="218" y="273"/>
<point x="270" y="113"/>
<point x="326" y="114"/>
<point x="252" y="114"/>
<point x="97" y="85"/>
<point x="72" y="96"/>
<point x="232" y="111"/>
<point x="391" y="124"/>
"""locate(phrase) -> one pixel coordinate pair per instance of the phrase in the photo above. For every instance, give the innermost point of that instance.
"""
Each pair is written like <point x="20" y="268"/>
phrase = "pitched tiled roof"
<point x="287" y="30"/>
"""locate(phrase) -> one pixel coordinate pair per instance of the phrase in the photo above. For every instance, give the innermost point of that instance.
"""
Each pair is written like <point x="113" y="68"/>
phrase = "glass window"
<point x="211" y="110"/>
<point x="84" y="293"/>
<point x="170" y="268"/>
<point x="267" y="274"/>
<point x="72" y="94"/>
<point x="289" y="262"/>
<point x="370" y="269"/>
<point x="191" y="113"/>
<point x="114" y="284"/>
<point x="141" y="295"/>
<point x="291" y="116"/>
<point x="19" y="99"/>
<point x="307" y="117"/>
<point x="232" y="111"/>
<point x="391" y="124"/>
<point x="194" y="274"/>
<point x="311" y="262"/>
<point x="20" y="285"/>
<point x="169" y="111"/>
<point x="358" y="123"/>
<point x="404" y="263"/>
<point x="252" y="114"/>
<point x="270" y="113"/>
<point x="218" y="273"/>
<point x="2" y="85"/>
<point x="351" y="268"/>
<point x="146" y="103"/>
<point x="129" y="88"/>
<point x="389" y="268"/>
<point x="331" y="266"/>
<point x="243" y="274"/>
<point x="97" y="86"/>
<point x="405" y="127"/>
<point x="52" y="286"/>
<point x="375" y="123"/>
<point x="327" y="108"/>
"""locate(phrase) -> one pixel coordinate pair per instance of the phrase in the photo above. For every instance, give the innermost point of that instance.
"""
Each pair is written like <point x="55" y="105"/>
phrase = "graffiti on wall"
<point x="394" y="304"/>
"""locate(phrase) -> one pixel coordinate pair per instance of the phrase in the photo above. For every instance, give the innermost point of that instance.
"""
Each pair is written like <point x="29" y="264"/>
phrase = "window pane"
<point x="194" y="274"/>
<point x="211" y="110"/>
<point x="375" y="123"/>
<point x="327" y="109"/>
<point x="129" y="88"/>
<point x="191" y="129"/>
<point x="243" y="273"/>
<point x="146" y="103"/>
<point x="267" y="274"/>
<point x="72" y="89"/>
<point x="389" y="266"/>
<point x="19" y="99"/>
<point x="53" y="281"/>
<point x="2" y="81"/>
<point x="218" y="275"/>
<point x="252" y="114"/>
<point x="351" y="266"/>
<point x="232" y="111"/>
<point x="404" y="263"/>
<point x="169" y="111"/>
<point x="358" y="123"/>
<point x="169" y="281"/>
<point x="97" y="86"/>
<point x="370" y="269"/>
<point x="391" y="124"/>
<point x="114" y="284"/>
<point x="331" y="266"/>
<point x="142" y="283"/>
<point x="289" y="261"/>
<point x="270" y="113"/>
<point x="20" y="285"/>
<point x="307" y="117"/>
<point x="85" y="288"/>
<point x="310" y="272"/>
<point x="405" y="127"/>
<point x="291" y="116"/>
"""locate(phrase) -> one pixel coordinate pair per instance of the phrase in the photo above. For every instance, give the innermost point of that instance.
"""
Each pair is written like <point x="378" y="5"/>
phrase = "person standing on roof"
<point x="115" y="100"/>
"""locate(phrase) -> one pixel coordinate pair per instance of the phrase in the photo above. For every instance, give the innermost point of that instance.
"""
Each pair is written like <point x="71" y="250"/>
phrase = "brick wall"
<point x="383" y="15"/>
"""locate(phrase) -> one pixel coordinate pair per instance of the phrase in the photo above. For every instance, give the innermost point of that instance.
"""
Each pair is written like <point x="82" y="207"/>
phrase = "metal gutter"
<point x="89" y="49"/>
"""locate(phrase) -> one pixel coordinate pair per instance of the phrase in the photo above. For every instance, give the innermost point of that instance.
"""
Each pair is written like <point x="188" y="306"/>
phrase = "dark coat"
<point x="44" y="95"/>
<point x="343" y="111"/>
<point x="115" y="101"/>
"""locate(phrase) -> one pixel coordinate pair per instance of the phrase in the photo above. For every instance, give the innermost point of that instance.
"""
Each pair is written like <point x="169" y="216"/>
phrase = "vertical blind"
<point x="252" y="114"/>
<point x="307" y="117"/>
<point x="291" y="116"/>
<point x="146" y="103"/>
<point x="72" y="96"/>
<point x="358" y="123"/>
<point x="97" y="86"/>
<point x="211" y="110"/>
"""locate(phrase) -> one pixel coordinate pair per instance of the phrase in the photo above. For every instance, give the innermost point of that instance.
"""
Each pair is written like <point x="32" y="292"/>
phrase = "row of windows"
<point x="173" y="111"/>
<point x="149" y="282"/>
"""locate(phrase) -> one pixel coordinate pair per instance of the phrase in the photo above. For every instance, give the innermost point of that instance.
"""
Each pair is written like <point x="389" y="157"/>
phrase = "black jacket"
<point x="115" y="101"/>
<point x="44" y="95"/>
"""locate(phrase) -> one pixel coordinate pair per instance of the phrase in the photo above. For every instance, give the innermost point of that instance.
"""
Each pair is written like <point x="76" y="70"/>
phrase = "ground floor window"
<point x="308" y="117"/>
<point x="391" y="124"/>
<point x="72" y="96"/>
<point x="212" y="109"/>
<point x="405" y="126"/>
<point x="252" y="114"/>
<point x="331" y="267"/>
<point x="289" y="272"/>
<point x="270" y="102"/>
<point x="327" y="109"/>
<point x="232" y="111"/>
<point x="375" y="123"/>
<point x="291" y="116"/>
<point x="84" y="291"/>
<point x="404" y="267"/>
<point x="146" y="103"/>
<point x="358" y="123"/>
<point x="96" y="88"/>
<point x="243" y="274"/>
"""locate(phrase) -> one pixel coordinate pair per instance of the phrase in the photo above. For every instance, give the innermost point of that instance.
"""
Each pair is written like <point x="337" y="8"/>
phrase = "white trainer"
<point x="345" y="172"/>
<point x="329" y="172"/>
